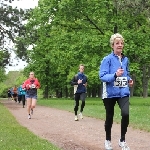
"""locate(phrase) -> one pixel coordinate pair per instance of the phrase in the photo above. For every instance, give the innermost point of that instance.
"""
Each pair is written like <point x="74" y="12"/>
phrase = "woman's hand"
<point x="130" y="82"/>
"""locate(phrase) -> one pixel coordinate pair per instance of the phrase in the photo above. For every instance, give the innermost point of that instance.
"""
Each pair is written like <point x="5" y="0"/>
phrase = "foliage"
<point x="12" y="78"/>
<point x="65" y="33"/>
<point x="11" y="21"/>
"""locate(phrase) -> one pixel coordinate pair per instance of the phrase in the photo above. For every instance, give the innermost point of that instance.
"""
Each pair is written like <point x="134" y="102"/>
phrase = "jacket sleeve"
<point x="24" y="84"/>
<point x="128" y="71"/>
<point x="104" y="74"/>
<point x="37" y="84"/>
<point x="74" y="80"/>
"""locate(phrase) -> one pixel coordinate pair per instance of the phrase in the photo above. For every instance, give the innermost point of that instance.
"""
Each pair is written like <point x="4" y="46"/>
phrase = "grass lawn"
<point x="139" y="110"/>
<point x="15" y="137"/>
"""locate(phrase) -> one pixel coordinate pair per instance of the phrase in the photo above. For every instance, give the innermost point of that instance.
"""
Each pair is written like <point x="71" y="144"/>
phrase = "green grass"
<point x="15" y="137"/>
<point x="139" y="110"/>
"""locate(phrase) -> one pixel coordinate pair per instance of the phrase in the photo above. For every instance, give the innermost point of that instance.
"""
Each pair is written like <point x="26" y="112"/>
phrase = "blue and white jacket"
<point x="109" y="66"/>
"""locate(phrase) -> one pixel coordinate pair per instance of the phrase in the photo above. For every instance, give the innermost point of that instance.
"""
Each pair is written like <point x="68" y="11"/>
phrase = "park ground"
<point x="59" y="127"/>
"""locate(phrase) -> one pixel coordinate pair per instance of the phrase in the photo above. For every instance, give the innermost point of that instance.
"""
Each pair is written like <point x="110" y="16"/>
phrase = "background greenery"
<point x="59" y="35"/>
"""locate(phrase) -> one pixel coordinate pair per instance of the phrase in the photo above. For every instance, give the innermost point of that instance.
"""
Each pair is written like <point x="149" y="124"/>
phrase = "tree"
<point x="11" y="26"/>
<point x="66" y="33"/>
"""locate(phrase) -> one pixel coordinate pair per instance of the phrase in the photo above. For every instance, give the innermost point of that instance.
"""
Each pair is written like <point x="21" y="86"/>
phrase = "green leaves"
<point x="69" y="32"/>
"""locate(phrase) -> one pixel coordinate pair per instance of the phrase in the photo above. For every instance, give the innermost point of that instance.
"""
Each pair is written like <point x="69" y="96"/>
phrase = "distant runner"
<point x="31" y="85"/>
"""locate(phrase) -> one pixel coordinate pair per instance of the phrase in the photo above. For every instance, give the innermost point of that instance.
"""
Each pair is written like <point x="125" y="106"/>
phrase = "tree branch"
<point x="94" y="24"/>
<point x="9" y="33"/>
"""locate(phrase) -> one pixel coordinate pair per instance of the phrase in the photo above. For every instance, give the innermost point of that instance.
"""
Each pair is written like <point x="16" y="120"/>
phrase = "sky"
<point x="19" y="64"/>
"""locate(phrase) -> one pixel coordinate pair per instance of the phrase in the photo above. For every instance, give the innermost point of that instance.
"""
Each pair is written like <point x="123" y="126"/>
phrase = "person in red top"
<point x="31" y="85"/>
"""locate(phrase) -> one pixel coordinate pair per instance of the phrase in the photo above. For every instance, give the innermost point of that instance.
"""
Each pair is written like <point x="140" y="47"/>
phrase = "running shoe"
<point x="123" y="145"/>
<point x="29" y="117"/>
<point x="81" y="116"/>
<point x="76" y="118"/>
<point x="108" y="145"/>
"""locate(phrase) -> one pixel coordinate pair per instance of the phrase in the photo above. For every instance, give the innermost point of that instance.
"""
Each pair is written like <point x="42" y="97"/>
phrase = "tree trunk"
<point x="145" y="82"/>
<point x="46" y="92"/>
<point x="66" y="92"/>
<point x="57" y="93"/>
<point x="46" y="89"/>
<point x="89" y="92"/>
<point x="99" y="91"/>
<point x="93" y="92"/>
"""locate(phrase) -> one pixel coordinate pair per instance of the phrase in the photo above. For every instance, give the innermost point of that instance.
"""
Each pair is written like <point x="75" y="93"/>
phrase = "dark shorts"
<point x="31" y="96"/>
<point x="32" y="93"/>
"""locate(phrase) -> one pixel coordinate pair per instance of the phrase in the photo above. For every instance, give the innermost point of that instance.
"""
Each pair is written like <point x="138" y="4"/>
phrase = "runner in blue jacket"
<point x="80" y="83"/>
<point x="114" y="73"/>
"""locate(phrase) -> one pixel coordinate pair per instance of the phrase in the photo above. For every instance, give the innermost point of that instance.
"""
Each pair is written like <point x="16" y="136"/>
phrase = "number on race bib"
<point x="32" y="86"/>
<point x="121" y="82"/>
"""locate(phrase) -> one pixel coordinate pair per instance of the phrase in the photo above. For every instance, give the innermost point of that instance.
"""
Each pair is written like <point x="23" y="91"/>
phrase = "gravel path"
<point x="59" y="127"/>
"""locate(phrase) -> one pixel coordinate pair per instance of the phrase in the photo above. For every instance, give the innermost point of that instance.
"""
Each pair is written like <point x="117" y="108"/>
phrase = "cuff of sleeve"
<point x="115" y="76"/>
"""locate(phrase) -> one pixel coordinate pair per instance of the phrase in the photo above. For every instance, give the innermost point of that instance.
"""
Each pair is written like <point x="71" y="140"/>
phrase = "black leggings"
<point x="79" y="96"/>
<point x="23" y="100"/>
<point x="109" y="104"/>
<point x="19" y="98"/>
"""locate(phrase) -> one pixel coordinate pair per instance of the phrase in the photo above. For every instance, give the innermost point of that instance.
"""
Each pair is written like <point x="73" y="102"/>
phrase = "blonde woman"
<point x="114" y="73"/>
<point x="31" y="85"/>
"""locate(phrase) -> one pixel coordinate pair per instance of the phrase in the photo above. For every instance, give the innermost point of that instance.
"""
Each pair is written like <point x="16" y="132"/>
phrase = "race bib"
<point x="121" y="82"/>
<point x="33" y="86"/>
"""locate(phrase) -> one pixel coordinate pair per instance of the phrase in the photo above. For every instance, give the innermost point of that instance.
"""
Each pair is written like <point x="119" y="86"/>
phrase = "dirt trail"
<point x="59" y="128"/>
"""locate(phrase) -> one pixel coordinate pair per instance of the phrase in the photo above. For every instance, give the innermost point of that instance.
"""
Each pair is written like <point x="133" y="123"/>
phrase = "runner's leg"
<point x="82" y="97"/>
<point x="109" y="104"/>
<point x="124" y="106"/>
<point x="77" y="98"/>
<point x="29" y="103"/>
<point x="33" y="103"/>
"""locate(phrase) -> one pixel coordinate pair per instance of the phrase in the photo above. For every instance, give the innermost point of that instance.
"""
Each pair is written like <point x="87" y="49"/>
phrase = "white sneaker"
<point x="76" y="118"/>
<point x="29" y="117"/>
<point x="108" y="145"/>
<point x="81" y="116"/>
<point x="123" y="145"/>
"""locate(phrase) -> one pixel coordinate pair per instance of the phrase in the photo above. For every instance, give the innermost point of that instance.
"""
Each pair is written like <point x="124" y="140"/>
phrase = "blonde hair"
<point x="32" y="72"/>
<point x="81" y="65"/>
<point x="114" y="36"/>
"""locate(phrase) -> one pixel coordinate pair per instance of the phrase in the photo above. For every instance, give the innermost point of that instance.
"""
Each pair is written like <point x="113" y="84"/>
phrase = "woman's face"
<point x="31" y="75"/>
<point x="118" y="46"/>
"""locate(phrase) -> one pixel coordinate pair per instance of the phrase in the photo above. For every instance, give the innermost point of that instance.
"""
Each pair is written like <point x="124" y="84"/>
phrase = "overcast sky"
<point x="25" y="4"/>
